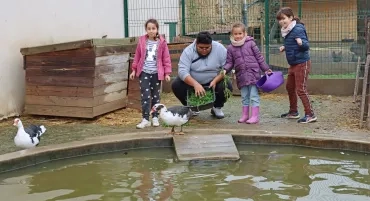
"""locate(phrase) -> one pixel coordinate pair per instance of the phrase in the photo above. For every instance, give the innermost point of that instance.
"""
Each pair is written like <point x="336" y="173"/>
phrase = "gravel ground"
<point x="336" y="116"/>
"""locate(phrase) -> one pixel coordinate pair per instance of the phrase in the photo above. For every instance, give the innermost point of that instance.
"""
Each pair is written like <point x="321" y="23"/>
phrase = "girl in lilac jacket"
<point x="152" y="64"/>
<point x="244" y="55"/>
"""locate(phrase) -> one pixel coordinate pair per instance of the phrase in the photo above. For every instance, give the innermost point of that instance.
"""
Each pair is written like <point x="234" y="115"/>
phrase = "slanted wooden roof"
<point x="88" y="43"/>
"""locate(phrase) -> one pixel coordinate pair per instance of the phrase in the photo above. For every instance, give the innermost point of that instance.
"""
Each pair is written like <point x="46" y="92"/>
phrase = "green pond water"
<point x="264" y="173"/>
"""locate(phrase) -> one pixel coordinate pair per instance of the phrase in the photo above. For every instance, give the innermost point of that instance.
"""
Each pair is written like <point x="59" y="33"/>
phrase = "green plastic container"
<point x="205" y="106"/>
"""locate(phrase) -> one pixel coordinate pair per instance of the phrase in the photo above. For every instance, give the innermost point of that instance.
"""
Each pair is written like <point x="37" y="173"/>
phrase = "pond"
<point x="263" y="173"/>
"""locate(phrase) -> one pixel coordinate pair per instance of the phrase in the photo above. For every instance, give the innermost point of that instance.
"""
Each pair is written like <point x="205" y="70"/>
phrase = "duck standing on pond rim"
<point x="173" y="116"/>
<point x="27" y="138"/>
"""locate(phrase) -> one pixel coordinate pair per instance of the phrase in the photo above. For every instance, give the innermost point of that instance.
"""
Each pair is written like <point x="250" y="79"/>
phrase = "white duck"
<point x="173" y="116"/>
<point x="27" y="138"/>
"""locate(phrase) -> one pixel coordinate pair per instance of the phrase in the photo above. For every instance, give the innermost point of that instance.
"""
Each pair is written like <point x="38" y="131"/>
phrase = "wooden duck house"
<point x="77" y="79"/>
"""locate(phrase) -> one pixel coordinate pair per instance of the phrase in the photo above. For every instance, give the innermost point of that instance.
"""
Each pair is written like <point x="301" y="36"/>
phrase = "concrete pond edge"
<point x="159" y="139"/>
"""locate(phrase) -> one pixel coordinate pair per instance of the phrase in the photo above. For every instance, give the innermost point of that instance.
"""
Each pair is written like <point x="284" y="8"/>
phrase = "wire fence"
<point x="336" y="28"/>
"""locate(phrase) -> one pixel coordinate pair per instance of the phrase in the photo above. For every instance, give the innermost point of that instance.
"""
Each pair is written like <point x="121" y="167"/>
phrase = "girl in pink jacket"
<point x="152" y="64"/>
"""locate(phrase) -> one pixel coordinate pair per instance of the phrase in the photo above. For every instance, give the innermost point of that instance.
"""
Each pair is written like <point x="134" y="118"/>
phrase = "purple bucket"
<point x="271" y="82"/>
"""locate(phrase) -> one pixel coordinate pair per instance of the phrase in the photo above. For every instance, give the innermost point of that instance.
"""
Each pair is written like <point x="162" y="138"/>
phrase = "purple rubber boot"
<point x="245" y="115"/>
<point x="255" y="115"/>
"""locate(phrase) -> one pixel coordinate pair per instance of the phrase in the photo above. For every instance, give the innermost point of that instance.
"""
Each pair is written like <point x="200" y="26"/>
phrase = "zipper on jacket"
<point x="241" y="53"/>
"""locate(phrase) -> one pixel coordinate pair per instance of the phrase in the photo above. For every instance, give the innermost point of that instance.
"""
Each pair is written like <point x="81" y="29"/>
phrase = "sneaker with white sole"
<point x="290" y="115"/>
<point x="195" y="112"/>
<point x="217" y="112"/>
<point x="144" y="123"/>
<point x="308" y="119"/>
<point x="155" y="121"/>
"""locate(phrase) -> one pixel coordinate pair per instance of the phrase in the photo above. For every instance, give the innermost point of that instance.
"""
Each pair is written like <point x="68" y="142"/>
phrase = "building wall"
<point x="27" y="23"/>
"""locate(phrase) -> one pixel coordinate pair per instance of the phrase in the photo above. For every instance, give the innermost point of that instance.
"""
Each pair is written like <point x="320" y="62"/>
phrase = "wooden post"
<point x="364" y="95"/>
<point x="367" y="35"/>
<point x="355" y="92"/>
<point x="367" y="67"/>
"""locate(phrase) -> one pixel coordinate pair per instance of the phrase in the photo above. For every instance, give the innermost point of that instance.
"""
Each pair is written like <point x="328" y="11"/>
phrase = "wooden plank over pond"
<point x="206" y="147"/>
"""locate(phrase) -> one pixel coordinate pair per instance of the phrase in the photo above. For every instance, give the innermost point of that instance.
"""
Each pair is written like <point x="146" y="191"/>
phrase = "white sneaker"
<point x="195" y="112"/>
<point x="155" y="121"/>
<point x="144" y="123"/>
<point x="216" y="111"/>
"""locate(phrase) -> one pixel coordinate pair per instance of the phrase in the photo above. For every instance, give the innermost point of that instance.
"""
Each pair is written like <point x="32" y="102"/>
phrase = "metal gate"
<point x="336" y="28"/>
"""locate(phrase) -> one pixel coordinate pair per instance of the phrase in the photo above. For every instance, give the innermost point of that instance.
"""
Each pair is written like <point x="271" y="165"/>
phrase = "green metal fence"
<point x="336" y="28"/>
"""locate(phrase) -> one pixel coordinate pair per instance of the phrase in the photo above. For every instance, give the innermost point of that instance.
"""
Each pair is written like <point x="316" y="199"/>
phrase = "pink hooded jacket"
<point x="163" y="57"/>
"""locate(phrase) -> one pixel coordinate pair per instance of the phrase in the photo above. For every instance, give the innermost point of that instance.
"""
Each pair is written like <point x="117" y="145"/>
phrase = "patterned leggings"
<point x="150" y="88"/>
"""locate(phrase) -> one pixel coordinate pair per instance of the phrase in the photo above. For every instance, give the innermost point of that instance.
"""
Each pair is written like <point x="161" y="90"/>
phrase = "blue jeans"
<point x="250" y="96"/>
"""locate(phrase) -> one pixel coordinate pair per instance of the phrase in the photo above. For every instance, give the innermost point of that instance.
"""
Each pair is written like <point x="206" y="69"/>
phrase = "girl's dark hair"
<point x="204" y="37"/>
<point x="289" y="13"/>
<point x="153" y="21"/>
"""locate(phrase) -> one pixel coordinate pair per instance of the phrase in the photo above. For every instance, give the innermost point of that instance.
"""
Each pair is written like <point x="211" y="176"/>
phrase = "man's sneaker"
<point x="290" y="115"/>
<point x="144" y="123"/>
<point x="308" y="119"/>
<point x="217" y="112"/>
<point x="155" y="121"/>
<point x="195" y="112"/>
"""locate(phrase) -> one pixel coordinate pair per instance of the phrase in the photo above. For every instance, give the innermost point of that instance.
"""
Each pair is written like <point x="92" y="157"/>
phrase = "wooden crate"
<point x="134" y="98"/>
<point x="77" y="79"/>
<point x="175" y="52"/>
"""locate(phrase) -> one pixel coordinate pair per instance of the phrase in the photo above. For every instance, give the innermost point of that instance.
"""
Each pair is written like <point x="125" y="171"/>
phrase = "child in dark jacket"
<point x="244" y="55"/>
<point x="296" y="47"/>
